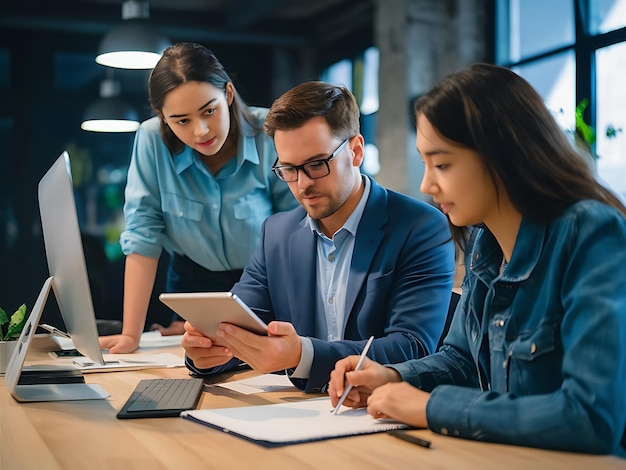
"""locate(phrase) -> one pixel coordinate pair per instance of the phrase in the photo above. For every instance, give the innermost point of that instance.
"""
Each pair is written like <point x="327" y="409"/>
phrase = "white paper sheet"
<point x="148" y="340"/>
<point x="259" y="384"/>
<point x="291" y="423"/>
<point x="121" y="362"/>
<point x="153" y="339"/>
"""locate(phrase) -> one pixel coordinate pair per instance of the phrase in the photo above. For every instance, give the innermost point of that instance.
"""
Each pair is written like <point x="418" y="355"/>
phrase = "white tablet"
<point x="206" y="310"/>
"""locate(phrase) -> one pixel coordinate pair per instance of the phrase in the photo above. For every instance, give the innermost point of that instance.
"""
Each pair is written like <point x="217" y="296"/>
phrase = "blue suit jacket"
<point x="398" y="290"/>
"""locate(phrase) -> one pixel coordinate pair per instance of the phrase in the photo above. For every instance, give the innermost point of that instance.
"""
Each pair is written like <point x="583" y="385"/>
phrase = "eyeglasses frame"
<point x="326" y="161"/>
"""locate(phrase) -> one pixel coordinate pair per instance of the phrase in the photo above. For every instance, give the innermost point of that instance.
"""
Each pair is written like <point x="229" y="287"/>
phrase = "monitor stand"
<point x="44" y="383"/>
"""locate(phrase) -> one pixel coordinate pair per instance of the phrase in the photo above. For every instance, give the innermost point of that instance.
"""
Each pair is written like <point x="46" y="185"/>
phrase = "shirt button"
<point x="180" y="214"/>
<point x="214" y="206"/>
<point x="474" y="336"/>
<point x="444" y="431"/>
<point x="330" y="300"/>
<point x="501" y="323"/>
<point x="331" y="258"/>
<point x="533" y="348"/>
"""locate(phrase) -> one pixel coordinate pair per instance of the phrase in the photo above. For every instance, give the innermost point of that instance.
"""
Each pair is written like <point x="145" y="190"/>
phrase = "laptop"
<point x="55" y="383"/>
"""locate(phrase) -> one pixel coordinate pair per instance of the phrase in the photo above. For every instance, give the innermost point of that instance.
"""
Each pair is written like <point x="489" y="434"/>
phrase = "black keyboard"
<point x="158" y="398"/>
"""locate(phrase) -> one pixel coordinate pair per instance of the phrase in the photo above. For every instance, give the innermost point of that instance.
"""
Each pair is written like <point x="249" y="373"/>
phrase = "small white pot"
<point x="6" y="351"/>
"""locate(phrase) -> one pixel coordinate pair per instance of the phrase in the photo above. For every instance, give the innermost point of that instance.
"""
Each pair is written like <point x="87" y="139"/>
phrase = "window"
<point x="570" y="51"/>
<point x="360" y="76"/>
<point x="606" y="15"/>
<point x="530" y="27"/>
<point x="610" y="116"/>
<point x="554" y="78"/>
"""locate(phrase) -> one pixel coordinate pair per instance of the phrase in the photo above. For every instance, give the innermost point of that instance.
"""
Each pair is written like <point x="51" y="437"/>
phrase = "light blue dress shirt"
<point x="175" y="202"/>
<point x="334" y="257"/>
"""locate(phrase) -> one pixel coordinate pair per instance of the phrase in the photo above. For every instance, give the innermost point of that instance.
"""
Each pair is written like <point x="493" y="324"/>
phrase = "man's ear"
<point x="357" y="146"/>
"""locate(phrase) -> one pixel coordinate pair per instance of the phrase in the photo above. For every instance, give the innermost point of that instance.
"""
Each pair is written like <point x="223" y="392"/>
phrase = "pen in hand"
<point x="359" y="365"/>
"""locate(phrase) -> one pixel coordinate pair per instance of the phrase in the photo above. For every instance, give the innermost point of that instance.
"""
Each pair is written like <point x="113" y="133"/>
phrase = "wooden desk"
<point x="87" y="435"/>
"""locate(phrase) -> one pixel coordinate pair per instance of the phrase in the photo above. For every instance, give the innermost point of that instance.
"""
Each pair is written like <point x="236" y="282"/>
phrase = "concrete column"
<point x="420" y="41"/>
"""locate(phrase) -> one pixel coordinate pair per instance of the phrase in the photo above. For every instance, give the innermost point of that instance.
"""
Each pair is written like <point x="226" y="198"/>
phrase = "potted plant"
<point x="10" y="330"/>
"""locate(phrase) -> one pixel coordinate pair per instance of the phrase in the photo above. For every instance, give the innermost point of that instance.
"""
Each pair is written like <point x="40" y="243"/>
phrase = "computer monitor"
<point x="66" y="259"/>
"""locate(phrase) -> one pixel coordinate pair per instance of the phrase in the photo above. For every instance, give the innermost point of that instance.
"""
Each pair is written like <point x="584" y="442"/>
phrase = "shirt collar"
<point x="246" y="150"/>
<point x="487" y="255"/>
<point x="352" y="224"/>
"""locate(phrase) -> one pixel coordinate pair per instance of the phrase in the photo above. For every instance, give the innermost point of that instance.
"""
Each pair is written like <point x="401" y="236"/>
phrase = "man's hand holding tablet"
<point x="220" y="326"/>
<point x="206" y="310"/>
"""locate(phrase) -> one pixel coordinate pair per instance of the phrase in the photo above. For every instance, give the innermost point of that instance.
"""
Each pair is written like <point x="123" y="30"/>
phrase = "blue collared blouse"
<point x="175" y="202"/>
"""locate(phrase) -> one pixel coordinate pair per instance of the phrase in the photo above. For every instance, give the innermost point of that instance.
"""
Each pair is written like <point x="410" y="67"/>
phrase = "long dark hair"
<point x="496" y="113"/>
<point x="187" y="62"/>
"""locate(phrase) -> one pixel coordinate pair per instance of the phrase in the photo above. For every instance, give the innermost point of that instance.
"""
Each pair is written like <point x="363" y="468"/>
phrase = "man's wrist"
<point x="303" y="368"/>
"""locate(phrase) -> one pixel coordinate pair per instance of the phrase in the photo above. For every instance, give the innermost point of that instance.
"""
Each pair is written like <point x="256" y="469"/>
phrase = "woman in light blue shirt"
<point x="536" y="352"/>
<point x="199" y="186"/>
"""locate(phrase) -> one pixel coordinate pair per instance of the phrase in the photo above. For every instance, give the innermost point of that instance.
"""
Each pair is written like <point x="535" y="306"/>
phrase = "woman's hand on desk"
<point x="400" y="401"/>
<point x="371" y="376"/>
<point x="119" y="344"/>
<point x="201" y="350"/>
<point x="379" y="388"/>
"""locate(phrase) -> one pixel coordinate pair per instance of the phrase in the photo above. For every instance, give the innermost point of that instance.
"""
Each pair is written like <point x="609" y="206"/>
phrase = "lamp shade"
<point x="134" y="44"/>
<point x="110" y="115"/>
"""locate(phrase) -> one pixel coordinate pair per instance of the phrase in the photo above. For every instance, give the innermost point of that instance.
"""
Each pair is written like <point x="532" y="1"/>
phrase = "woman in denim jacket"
<point x="536" y="352"/>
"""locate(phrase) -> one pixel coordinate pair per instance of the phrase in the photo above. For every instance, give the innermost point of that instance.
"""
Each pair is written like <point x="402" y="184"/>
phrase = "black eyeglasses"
<point x="314" y="169"/>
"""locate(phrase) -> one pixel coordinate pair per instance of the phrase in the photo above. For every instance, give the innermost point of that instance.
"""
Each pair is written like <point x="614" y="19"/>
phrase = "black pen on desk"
<point x="409" y="438"/>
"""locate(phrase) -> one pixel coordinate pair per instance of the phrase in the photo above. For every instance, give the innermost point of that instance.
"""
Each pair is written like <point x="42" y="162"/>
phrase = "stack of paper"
<point x="291" y="423"/>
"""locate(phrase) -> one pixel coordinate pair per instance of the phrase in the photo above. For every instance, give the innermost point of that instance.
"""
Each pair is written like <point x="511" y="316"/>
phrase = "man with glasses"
<point x="355" y="260"/>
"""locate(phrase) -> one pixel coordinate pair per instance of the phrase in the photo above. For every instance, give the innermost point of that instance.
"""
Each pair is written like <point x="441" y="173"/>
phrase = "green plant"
<point x="10" y="328"/>
<point x="585" y="135"/>
<point x="583" y="130"/>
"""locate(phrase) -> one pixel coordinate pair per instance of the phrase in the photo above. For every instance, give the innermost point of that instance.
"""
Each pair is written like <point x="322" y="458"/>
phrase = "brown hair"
<point x="187" y="62"/>
<point x="335" y="104"/>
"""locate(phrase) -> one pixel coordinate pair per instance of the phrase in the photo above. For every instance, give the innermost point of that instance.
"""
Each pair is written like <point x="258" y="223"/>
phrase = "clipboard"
<point x="291" y="423"/>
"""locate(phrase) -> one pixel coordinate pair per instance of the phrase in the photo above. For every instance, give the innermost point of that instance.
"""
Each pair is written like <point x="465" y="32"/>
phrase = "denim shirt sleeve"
<point x="587" y="413"/>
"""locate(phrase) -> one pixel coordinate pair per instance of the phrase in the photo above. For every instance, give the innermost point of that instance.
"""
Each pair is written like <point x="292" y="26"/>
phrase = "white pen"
<point x="359" y="365"/>
<point x="55" y="331"/>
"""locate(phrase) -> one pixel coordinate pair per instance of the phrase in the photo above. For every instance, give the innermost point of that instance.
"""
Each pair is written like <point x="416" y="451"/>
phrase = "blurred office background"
<point x="387" y="52"/>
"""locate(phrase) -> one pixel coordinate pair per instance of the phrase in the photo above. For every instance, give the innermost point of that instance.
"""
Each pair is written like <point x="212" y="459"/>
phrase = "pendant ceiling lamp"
<point x="110" y="113"/>
<point x="135" y="43"/>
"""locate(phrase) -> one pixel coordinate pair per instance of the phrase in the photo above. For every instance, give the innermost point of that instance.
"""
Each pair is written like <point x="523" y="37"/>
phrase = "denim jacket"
<point x="536" y="356"/>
